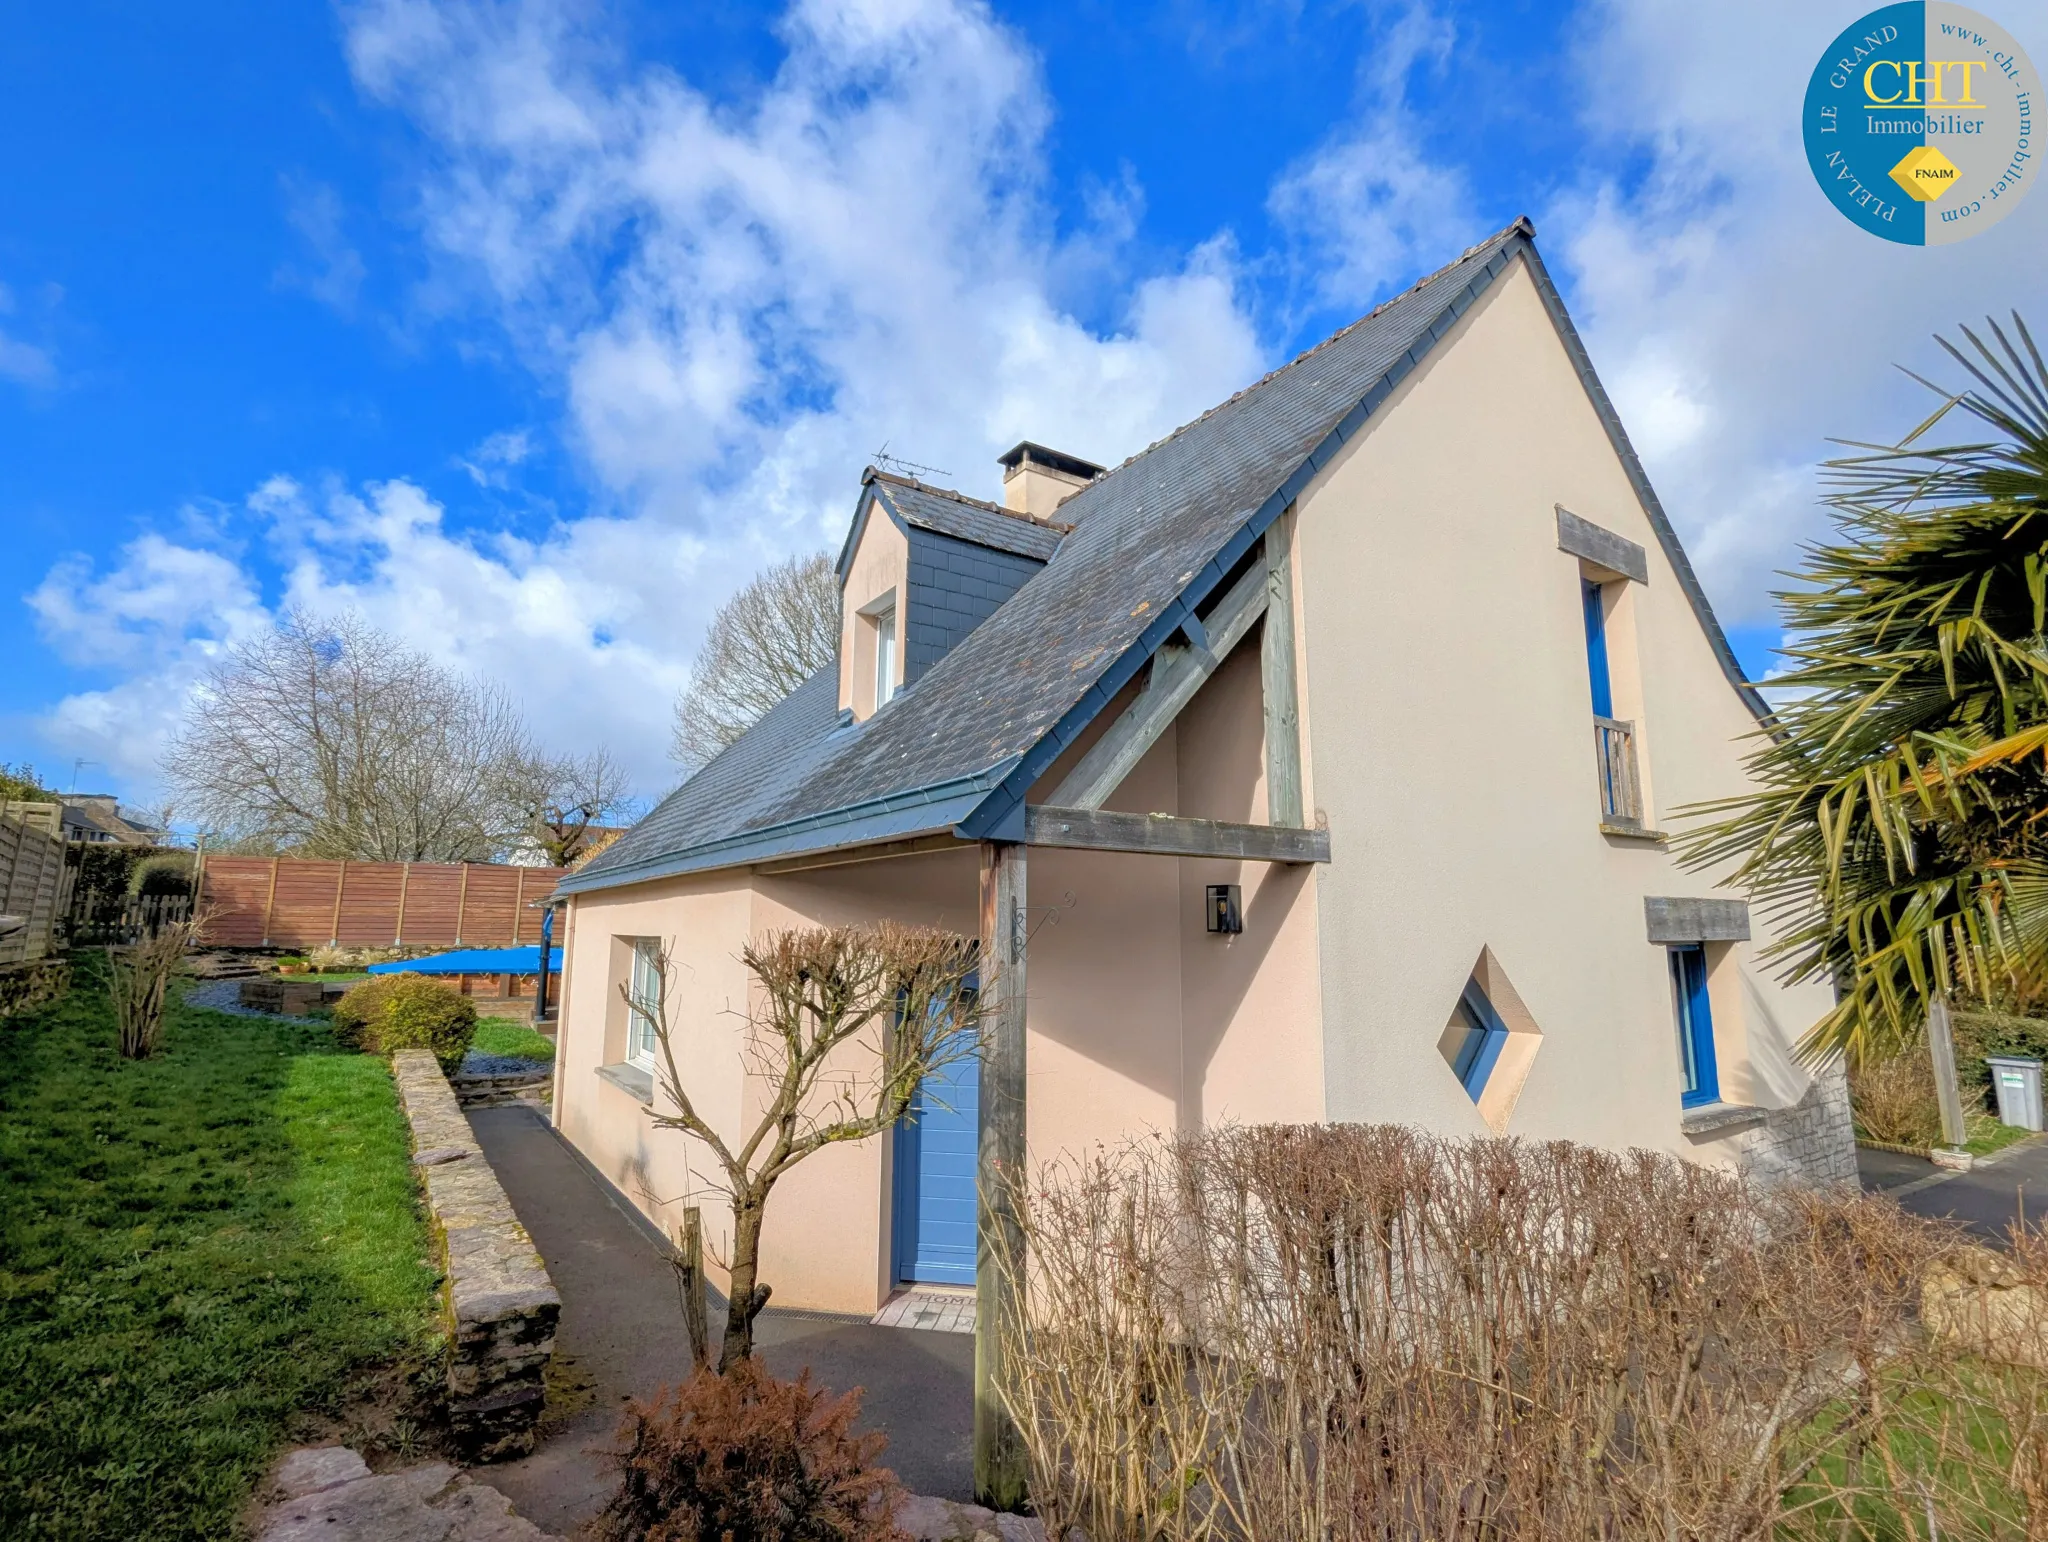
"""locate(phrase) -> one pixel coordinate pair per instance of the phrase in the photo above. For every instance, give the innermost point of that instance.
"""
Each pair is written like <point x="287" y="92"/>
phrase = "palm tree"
<point x="1900" y="828"/>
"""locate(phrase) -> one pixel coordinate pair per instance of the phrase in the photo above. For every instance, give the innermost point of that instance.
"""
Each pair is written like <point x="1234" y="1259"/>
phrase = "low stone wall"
<point x="501" y="1306"/>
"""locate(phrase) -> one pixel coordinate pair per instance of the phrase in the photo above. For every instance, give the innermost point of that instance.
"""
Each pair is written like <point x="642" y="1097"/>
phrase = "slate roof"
<point x="969" y="519"/>
<point x="1151" y="540"/>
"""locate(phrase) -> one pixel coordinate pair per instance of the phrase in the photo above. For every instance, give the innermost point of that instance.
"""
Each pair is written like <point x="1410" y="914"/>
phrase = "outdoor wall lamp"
<point x="1226" y="908"/>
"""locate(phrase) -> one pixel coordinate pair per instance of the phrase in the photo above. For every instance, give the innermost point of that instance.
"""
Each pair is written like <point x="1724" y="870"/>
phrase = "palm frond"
<point x="1897" y="836"/>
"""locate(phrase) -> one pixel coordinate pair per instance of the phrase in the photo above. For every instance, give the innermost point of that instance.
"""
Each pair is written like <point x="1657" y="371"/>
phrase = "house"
<point x="1312" y="764"/>
<point x="98" y="817"/>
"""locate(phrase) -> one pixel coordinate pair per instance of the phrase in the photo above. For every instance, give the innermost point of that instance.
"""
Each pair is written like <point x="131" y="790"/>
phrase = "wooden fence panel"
<point x="32" y="878"/>
<point x="302" y="905"/>
<point x="237" y="894"/>
<point x="293" y="903"/>
<point x="368" y="917"/>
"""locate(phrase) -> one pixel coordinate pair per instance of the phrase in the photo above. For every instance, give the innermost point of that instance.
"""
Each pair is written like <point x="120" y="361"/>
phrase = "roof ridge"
<point x="1520" y="225"/>
<point x="876" y="474"/>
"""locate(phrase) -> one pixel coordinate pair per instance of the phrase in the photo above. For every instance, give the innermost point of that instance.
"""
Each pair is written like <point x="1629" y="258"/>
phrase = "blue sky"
<point x="529" y="331"/>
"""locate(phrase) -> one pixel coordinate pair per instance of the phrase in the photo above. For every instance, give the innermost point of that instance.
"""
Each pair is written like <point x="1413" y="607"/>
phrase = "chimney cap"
<point x="1013" y="460"/>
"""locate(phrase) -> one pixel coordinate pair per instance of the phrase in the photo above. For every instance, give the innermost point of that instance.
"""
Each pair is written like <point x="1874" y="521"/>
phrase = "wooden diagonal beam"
<point x="1177" y="673"/>
<point x="1166" y="835"/>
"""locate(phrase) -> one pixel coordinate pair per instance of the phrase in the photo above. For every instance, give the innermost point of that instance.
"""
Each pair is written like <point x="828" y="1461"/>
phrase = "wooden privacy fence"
<point x="285" y="902"/>
<point x="34" y="882"/>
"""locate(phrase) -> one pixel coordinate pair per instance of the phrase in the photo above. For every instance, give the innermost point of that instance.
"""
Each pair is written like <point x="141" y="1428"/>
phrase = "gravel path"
<point x="225" y="996"/>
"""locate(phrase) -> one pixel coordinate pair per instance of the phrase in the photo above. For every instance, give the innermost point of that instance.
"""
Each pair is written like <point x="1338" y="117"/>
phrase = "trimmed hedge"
<point x="1981" y="1033"/>
<point x="407" y="1011"/>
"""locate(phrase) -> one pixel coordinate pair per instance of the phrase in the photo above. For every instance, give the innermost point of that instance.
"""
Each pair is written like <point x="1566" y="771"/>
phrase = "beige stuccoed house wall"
<point x="880" y="569"/>
<point x="1138" y="1020"/>
<point x="1449" y="728"/>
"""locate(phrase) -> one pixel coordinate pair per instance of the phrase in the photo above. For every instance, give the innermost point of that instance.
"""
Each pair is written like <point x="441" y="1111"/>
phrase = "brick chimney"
<point x="1037" y="480"/>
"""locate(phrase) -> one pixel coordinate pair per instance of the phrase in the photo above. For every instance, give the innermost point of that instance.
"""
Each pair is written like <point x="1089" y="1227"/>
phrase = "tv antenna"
<point x="908" y="468"/>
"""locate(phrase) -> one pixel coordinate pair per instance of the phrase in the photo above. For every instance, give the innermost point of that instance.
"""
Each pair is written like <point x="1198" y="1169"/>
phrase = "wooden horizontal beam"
<point x="1166" y="835"/>
<point x="848" y="856"/>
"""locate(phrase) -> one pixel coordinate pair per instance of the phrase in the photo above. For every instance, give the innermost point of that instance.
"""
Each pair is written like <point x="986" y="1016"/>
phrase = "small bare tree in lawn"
<point x="139" y="984"/>
<point x="843" y="1024"/>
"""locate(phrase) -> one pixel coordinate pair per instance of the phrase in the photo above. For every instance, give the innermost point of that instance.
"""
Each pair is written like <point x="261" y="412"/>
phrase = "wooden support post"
<point x="1941" y="1047"/>
<point x="1276" y="661"/>
<point x="404" y="882"/>
<point x="690" y="1277"/>
<point x="518" y="903"/>
<point x="999" y="1233"/>
<point x="334" y="922"/>
<point x="461" y="903"/>
<point x="269" y="902"/>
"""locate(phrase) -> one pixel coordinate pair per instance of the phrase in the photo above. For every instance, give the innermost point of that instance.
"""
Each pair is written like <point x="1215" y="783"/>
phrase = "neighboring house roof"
<point x="1151" y="540"/>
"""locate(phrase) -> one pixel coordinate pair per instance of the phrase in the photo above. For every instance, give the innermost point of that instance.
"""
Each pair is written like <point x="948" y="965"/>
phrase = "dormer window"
<point x="877" y="672"/>
<point x="885" y="655"/>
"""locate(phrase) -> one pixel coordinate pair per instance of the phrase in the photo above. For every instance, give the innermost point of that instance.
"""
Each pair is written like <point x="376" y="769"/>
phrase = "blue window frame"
<point x="1697" y="1074"/>
<point x="1485" y="1034"/>
<point x="1596" y="648"/>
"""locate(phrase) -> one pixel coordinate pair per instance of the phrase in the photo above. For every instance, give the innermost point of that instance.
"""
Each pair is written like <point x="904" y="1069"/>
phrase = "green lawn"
<point x="502" y="1036"/>
<point x="194" y="1251"/>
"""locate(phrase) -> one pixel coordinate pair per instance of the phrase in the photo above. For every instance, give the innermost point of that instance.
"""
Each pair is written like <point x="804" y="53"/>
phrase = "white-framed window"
<point x="643" y="1002"/>
<point x="885" y="655"/>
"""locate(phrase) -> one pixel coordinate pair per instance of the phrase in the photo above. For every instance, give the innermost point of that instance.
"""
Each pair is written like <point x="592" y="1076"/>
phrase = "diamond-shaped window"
<point x="1490" y="1042"/>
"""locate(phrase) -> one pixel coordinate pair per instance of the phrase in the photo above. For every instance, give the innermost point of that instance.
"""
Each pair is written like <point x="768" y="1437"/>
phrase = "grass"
<point x="1988" y="1135"/>
<point x="196" y="1251"/>
<point x="502" y="1036"/>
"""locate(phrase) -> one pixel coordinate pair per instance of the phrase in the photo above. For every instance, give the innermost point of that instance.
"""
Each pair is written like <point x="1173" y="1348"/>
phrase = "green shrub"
<point x="168" y="872"/>
<point x="1981" y="1033"/>
<point x="425" y="1014"/>
<point x="360" y="1011"/>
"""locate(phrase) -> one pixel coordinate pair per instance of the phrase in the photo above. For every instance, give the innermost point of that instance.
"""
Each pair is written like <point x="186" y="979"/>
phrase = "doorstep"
<point x="932" y="1308"/>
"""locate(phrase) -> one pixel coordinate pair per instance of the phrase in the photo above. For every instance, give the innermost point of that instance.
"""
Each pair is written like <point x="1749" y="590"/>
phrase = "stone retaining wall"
<point x="1813" y="1141"/>
<point x="500" y="1305"/>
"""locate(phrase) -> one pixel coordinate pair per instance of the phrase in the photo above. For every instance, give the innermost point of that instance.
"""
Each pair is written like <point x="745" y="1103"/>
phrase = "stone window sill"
<point x="1634" y="833"/>
<point x="630" y="1078"/>
<point x="1712" y="1118"/>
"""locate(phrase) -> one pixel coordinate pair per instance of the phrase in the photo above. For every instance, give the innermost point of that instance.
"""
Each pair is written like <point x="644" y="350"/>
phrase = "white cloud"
<point x="1369" y="205"/>
<point x="490" y="464"/>
<point x="21" y="362"/>
<point x="737" y="305"/>
<point x="335" y="274"/>
<point x="1737" y="318"/>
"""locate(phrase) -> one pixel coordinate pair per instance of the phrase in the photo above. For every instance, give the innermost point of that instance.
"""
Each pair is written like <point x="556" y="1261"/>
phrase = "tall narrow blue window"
<point x="1596" y="649"/>
<point x="1697" y="1075"/>
<point x="1485" y="1034"/>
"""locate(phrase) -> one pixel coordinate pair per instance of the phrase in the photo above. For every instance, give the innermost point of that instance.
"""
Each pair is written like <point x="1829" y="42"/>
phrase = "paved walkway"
<point x="621" y="1336"/>
<point x="1989" y="1199"/>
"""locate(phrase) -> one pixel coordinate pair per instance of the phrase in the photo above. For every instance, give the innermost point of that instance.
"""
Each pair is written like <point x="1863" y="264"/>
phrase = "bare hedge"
<point x="1365" y="1332"/>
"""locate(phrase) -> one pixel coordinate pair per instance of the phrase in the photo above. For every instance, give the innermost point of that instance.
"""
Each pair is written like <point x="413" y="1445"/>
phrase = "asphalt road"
<point x="621" y="1336"/>
<point x="2008" y="1189"/>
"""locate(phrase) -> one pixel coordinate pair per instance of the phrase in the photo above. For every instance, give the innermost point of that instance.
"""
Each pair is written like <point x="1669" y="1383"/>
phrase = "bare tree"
<point x="331" y="738"/>
<point x="764" y="642"/>
<point x="562" y="798"/>
<point x="139" y="983"/>
<point x="844" y="1024"/>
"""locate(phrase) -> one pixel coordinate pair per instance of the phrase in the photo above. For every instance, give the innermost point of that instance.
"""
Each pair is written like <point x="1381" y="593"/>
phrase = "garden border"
<point x="500" y="1306"/>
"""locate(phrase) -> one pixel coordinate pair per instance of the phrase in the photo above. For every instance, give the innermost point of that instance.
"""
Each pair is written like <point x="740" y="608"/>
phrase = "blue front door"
<point x="936" y="1155"/>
